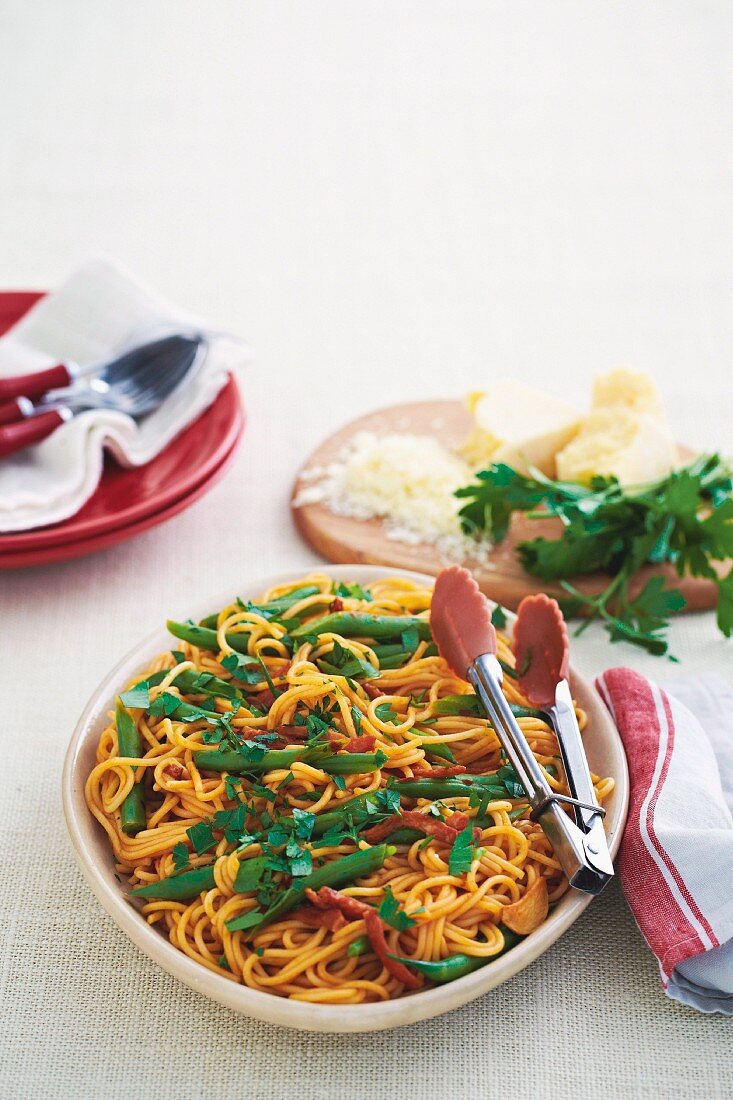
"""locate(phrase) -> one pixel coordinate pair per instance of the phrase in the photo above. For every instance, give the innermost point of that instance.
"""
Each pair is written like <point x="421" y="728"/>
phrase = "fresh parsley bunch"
<point x="685" y="518"/>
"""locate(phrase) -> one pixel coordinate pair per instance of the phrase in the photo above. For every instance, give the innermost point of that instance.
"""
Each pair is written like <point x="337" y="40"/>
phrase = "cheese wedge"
<point x="629" y="389"/>
<point x="626" y="434"/>
<point x="518" y="425"/>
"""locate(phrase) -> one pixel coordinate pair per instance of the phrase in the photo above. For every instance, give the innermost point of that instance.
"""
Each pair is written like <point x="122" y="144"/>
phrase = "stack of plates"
<point x="128" y="502"/>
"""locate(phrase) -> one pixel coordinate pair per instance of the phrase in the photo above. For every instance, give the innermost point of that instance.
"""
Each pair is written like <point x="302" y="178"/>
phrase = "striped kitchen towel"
<point x="676" y="857"/>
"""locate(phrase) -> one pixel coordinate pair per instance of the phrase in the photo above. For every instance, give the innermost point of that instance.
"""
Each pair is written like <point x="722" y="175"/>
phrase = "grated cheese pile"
<point x="407" y="480"/>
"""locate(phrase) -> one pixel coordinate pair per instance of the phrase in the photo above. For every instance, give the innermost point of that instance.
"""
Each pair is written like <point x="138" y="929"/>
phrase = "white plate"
<point x="606" y="757"/>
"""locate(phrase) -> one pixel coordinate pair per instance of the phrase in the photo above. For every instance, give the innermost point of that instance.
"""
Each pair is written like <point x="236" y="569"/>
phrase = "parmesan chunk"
<point x="625" y="435"/>
<point x="518" y="425"/>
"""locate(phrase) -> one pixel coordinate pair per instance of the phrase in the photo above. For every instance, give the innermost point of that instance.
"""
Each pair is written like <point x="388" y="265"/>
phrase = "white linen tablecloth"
<point x="389" y="201"/>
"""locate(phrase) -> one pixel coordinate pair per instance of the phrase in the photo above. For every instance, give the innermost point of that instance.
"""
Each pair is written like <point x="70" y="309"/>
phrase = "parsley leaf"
<point x="299" y="859"/>
<point x="462" y="852"/>
<point x="344" y="662"/>
<point x="249" y="874"/>
<point x="351" y="591"/>
<point x="180" y="856"/>
<point x="243" y="667"/>
<point x="498" y="617"/>
<point x="392" y="914"/>
<point x="685" y="519"/>
<point x="247" y="920"/>
<point x="385" y="713"/>
<point x="137" y="696"/>
<point x="304" y="822"/>
<point x="202" y="837"/>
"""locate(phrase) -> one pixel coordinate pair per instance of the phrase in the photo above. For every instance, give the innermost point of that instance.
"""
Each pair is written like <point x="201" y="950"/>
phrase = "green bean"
<point x="395" y="656"/>
<point x="470" y="705"/>
<point x="455" y="966"/>
<point x="204" y="638"/>
<point x="351" y="763"/>
<point x="458" y="787"/>
<point x="227" y="760"/>
<point x="405" y="836"/>
<point x="197" y="683"/>
<point x="129" y="743"/>
<point x="339" y="872"/>
<point x="273" y="608"/>
<point x="358" y="946"/>
<point x="346" y="763"/>
<point x="396" y="660"/>
<point x="357" y="624"/>
<point x="181" y="887"/>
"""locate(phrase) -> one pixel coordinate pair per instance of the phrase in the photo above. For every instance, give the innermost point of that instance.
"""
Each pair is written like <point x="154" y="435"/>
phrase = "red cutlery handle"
<point x="14" y="437"/>
<point x="13" y="411"/>
<point x="35" y="384"/>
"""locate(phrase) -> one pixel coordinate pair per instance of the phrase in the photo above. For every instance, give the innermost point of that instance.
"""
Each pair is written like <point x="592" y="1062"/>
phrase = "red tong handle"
<point x="14" y="437"/>
<point x="35" y="384"/>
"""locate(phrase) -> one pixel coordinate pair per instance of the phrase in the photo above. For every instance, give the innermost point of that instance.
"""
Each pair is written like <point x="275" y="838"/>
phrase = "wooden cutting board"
<point x="344" y="539"/>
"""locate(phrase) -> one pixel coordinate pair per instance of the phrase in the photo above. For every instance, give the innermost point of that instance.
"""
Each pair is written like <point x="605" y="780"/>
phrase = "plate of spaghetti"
<point x="291" y="803"/>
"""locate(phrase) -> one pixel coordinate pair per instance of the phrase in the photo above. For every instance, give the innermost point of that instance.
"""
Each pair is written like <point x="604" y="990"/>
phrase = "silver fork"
<point x="135" y="383"/>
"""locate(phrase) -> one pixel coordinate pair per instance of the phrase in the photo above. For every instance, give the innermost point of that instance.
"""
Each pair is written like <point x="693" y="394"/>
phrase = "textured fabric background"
<point x="387" y="201"/>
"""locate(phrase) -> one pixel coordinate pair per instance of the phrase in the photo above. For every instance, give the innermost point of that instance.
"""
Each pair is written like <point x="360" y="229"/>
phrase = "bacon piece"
<point x="326" y="897"/>
<point x="332" y="919"/>
<point x="398" y="970"/>
<point x="176" y="770"/>
<point x="335" y="740"/>
<point x="336" y="605"/>
<point x="366" y="743"/>
<point x="443" y="830"/>
<point x="373" y="691"/>
<point x="438" y="773"/>
<point x="291" y="733"/>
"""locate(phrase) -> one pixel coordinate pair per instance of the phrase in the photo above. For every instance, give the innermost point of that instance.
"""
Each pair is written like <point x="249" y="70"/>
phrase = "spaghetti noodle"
<point x="314" y="805"/>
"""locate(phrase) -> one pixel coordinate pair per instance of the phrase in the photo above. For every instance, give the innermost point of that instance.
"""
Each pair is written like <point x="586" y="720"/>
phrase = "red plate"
<point x="124" y="499"/>
<point x="64" y="551"/>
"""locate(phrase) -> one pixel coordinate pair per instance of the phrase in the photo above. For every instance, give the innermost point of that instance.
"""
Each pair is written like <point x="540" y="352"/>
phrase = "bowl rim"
<point x="85" y="834"/>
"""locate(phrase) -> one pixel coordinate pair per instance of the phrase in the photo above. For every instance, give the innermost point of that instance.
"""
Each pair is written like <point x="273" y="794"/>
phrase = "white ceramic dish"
<point x="606" y="757"/>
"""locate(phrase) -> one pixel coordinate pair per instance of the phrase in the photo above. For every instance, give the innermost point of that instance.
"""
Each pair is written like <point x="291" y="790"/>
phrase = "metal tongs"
<point x="466" y="638"/>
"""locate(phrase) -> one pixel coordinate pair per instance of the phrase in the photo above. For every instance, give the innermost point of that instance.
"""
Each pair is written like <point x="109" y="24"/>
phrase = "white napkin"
<point x="676" y="856"/>
<point x="92" y="316"/>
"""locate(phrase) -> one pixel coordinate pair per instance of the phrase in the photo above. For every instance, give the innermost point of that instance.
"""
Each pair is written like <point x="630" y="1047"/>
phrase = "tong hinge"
<point x="555" y="797"/>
